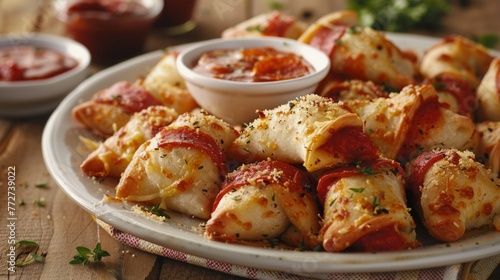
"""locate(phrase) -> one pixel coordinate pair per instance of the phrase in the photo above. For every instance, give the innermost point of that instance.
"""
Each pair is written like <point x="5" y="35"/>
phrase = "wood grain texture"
<point x="61" y="224"/>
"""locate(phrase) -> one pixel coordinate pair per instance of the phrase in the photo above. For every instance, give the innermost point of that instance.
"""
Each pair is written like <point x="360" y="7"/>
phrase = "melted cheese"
<point x="181" y="178"/>
<point x="357" y="205"/>
<point x="458" y="194"/>
<point x="294" y="132"/>
<point x="115" y="153"/>
<point x="488" y="95"/>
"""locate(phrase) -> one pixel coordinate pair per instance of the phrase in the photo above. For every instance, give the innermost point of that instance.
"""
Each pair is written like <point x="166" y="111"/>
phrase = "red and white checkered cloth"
<point x="477" y="270"/>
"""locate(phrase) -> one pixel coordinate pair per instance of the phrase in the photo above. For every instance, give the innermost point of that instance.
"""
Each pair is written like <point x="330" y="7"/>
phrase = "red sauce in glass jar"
<point x="264" y="64"/>
<point x="26" y="62"/>
<point x="109" y="28"/>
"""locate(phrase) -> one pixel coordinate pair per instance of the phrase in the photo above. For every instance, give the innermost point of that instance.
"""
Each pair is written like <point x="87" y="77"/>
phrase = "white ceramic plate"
<point x="63" y="154"/>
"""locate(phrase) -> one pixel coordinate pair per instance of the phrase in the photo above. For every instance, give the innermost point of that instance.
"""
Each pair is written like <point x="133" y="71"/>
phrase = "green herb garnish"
<point x="399" y="15"/>
<point x="85" y="255"/>
<point x="156" y="210"/>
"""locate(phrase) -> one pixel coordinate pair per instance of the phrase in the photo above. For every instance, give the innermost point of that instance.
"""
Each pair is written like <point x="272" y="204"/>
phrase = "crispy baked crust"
<point x="299" y="132"/>
<point x="362" y="200"/>
<point x="488" y="94"/>
<point x="274" y="23"/>
<point x="453" y="193"/>
<point x="275" y="192"/>
<point x="115" y="153"/>
<point x="456" y="56"/>
<point x="361" y="52"/>
<point x="182" y="167"/>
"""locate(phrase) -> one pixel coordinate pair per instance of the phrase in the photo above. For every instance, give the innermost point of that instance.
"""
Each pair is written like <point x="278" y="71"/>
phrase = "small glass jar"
<point x="110" y="29"/>
<point x="176" y="17"/>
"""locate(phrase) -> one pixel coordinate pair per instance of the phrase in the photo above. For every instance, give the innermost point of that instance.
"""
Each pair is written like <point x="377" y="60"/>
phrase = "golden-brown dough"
<point x="111" y="108"/>
<point x="274" y="23"/>
<point x="115" y="153"/>
<point x="310" y="130"/>
<point x="388" y="120"/>
<point x="361" y="52"/>
<point x="344" y="90"/>
<point x="486" y="144"/>
<point x="263" y="201"/>
<point x="343" y="18"/>
<point x="102" y="119"/>
<point x="365" y="208"/>
<point x="165" y="84"/>
<point x="453" y="193"/>
<point x="182" y="167"/>
<point x="435" y="126"/>
<point x="456" y="56"/>
<point x="488" y="94"/>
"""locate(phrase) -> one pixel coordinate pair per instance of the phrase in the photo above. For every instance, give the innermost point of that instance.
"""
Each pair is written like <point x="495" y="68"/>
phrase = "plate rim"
<point x="300" y="263"/>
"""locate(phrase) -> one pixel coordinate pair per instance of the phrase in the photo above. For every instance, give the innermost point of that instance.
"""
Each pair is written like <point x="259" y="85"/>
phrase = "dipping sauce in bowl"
<point x="37" y="71"/>
<point x="265" y="64"/>
<point x="110" y="29"/>
<point x="27" y="62"/>
<point x="239" y="76"/>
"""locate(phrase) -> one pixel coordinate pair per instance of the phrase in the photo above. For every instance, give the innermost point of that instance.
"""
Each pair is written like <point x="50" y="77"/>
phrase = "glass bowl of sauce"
<point x="233" y="78"/>
<point x="110" y="29"/>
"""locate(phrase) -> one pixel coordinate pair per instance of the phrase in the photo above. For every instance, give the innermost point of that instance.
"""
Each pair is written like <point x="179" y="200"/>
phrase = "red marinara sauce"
<point x="27" y="62"/>
<point x="109" y="28"/>
<point x="264" y="64"/>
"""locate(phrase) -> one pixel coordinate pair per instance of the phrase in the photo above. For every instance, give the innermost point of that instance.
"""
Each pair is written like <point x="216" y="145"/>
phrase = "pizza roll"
<point x="365" y="208"/>
<point x="165" y="84"/>
<point x="310" y="130"/>
<point x="263" y="201"/>
<point x="457" y="57"/>
<point x="344" y="90"/>
<point x="274" y="23"/>
<point x="455" y="66"/>
<point x="182" y="167"/>
<point x="115" y="153"/>
<point x="455" y="92"/>
<point x="362" y="53"/>
<point x="388" y="120"/>
<point x="453" y="193"/>
<point x="488" y="94"/>
<point x="486" y="145"/>
<point x="111" y="108"/>
<point x="435" y="126"/>
<point x="341" y="19"/>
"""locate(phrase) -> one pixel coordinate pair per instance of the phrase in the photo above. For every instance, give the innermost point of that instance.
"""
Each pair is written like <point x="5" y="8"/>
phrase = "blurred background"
<point x="477" y="19"/>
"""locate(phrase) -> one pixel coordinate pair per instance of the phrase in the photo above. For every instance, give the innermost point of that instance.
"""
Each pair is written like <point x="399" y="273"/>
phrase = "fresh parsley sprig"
<point x="32" y="257"/>
<point x="85" y="255"/>
<point x="29" y="246"/>
<point x="400" y="15"/>
<point x="156" y="210"/>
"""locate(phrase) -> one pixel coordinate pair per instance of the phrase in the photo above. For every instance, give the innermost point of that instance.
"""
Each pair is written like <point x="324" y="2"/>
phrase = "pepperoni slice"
<point x="193" y="138"/>
<point x="384" y="239"/>
<point x="131" y="97"/>
<point x="460" y="89"/>
<point x="264" y="172"/>
<point x="352" y="144"/>
<point x="330" y="177"/>
<point x="426" y="118"/>
<point x="277" y="26"/>
<point x="326" y="38"/>
<point x="419" y="168"/>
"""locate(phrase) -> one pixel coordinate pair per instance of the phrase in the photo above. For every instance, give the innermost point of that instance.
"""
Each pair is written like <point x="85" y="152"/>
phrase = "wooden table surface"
<point x="60" y="225"/>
